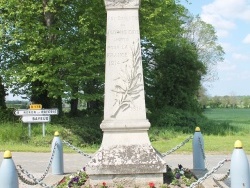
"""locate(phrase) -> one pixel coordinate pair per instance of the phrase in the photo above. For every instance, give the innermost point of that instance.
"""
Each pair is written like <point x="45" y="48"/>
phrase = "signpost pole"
<point x="29" y="129"/>
<point x="43" y="129"/>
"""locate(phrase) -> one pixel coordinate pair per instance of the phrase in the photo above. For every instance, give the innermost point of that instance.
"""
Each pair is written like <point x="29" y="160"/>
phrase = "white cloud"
<point x="245" y="75"/>
<point x="240" y="57"/>
<point x="226" y="66"/>
<point x="223" y="14"/>
<point x="247" y="39"/>
<point x="229" y="9"/>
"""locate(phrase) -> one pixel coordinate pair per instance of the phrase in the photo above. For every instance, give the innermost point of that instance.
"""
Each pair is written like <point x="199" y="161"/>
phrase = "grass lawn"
<point x="239" y="118"/>
<point x="215" y="144"/>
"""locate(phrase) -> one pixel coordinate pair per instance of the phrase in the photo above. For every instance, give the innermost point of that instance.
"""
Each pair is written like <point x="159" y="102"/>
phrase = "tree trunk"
<point x="74" y="102"/>
<point x="39" y="95"/>
<point x="2" y="95"/>
<point x="74" y="107"/>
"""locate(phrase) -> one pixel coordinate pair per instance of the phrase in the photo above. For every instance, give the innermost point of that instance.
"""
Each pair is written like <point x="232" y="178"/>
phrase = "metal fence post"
<point x="198" y="151"/>
<point x="239" y="168"/>
<point x="57" y="162"/>
<point x="8" y="172"/>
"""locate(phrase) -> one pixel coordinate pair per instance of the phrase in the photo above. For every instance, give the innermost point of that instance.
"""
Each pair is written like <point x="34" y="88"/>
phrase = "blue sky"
<point x="231" y="20"/>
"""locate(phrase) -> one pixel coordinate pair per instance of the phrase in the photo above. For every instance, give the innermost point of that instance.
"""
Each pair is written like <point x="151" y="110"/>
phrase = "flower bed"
<point x="178" y="177"/>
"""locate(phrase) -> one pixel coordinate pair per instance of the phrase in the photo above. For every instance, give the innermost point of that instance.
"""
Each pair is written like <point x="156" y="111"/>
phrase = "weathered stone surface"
<point x="122" y="4"/>
<point x="131" y="159"/>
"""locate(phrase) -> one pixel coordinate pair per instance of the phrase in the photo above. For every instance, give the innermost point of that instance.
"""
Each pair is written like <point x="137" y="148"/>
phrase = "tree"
<point x="246" y="101"/>
<point x="202" y="97"/>
<point x="54" y="48"/>
<point x="177" y="77"/>
<point x="171" y="66"/>
<point x="204" y="37"/>
<point x="215" y="102"/>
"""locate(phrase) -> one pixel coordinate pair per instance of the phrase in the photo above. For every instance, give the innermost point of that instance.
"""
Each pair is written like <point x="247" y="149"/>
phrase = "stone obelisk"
<point x="126" y="154"/>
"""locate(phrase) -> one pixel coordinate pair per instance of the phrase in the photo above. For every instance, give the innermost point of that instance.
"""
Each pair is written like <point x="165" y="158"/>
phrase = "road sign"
<point x="26" y="112"/>
<point x="35" y="119"/>
<point x="35" y="106"/>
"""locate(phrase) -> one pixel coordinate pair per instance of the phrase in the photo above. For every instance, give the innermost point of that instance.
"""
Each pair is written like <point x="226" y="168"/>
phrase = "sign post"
<point x="43" y="129"/>
<point x="29" y="125"/>
<point x="36" y="114"/>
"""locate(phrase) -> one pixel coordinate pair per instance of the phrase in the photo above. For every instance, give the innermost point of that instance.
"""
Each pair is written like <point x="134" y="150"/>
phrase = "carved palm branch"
<point x="132" y="83"/>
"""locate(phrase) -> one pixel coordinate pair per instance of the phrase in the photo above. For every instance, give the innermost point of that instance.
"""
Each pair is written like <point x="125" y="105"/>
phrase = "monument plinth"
<point x="126" y="154"/>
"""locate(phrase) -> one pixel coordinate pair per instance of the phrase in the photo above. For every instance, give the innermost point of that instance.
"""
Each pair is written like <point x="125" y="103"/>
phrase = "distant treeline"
<point x="206" y="102"/>
<point x="17" y="104"/>
<point x="225" y="101"/>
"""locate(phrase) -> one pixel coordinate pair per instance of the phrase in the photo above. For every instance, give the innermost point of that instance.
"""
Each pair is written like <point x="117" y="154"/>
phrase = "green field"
<point x="237" y="127"/>
<point x="238" y="118"/>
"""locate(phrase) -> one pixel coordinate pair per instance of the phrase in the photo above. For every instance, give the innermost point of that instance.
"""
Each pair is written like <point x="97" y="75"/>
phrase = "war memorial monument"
<point x="126" y="155"/>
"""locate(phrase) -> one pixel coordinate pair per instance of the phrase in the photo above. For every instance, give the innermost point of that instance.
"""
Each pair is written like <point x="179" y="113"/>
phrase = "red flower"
<point x="151" y="185"/>
<point x="104" y="184"/>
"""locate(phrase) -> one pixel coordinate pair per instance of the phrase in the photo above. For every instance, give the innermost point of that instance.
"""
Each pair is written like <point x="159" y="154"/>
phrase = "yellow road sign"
<point x="35" y="106"/>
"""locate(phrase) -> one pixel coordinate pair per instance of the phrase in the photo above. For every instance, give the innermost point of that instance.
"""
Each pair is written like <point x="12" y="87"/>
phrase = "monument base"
<point x="126" y="157"/>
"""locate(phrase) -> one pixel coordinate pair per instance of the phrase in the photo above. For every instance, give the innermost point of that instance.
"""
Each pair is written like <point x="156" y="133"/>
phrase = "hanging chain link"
<point x="76" y="149"/>
<point x="178" y="146"/>
<point x="35" y="181"/>
<point x="24" y="180"/>
<point x="207" y="175"/>
<point x="203" y="152"/>
<point x="223" y="177"/>
<point x="216" y="179"/>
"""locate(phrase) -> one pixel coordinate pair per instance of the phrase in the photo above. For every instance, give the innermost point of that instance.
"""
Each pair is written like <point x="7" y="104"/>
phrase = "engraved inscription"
<point x="136" y="108"/>
<point x="122" y="32"/>
<point x="121" y="18"/>
<point x="118" y="47"/>
<point x="116" y="55"/>
<point x="113" y="63"/>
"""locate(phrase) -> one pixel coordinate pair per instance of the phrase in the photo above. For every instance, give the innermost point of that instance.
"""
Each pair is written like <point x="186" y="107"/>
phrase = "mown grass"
<point x="85" y="133"/>
<point x="14" y="137"/>
<point x="224" y="128"/>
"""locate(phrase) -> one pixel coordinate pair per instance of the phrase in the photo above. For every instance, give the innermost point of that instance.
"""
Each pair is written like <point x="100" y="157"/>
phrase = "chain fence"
<point x="178" y="146"/>
<point x="76" y="149"/>
<point x="35" y="181"/>
<point x="208" y="174"/>
<point x="211" y="172"/>
<point x="222" y="178"/>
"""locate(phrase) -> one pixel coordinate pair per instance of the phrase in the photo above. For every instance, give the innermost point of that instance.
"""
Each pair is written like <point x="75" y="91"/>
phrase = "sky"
<point x="231" y="20"/>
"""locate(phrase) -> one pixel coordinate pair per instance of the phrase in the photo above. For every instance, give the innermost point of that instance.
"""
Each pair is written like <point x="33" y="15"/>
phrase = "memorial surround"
<point x="126" y="155"/>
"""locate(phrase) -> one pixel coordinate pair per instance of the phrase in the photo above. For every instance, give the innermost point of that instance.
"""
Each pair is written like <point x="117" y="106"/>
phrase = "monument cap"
<point x="238" y="144"/>
<point x="197" y="129"/>
<point x="7" y="154"/>
<point x="56" y="133"/>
